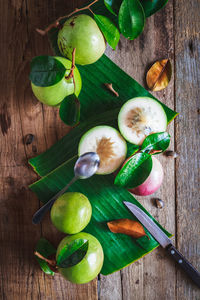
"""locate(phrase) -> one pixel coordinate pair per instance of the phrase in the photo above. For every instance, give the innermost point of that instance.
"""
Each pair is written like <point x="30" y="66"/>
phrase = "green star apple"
<point x="54" y="94"/>
<point x="71" y="212"/>
<point x="81" y="32"/>
<point x="90" y="266"/>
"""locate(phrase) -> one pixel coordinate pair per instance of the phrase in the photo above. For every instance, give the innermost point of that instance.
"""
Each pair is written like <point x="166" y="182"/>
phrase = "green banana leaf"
<point x="98" y="106"/>
<point x="107" y="204"/>
<point x="106" y="198"/>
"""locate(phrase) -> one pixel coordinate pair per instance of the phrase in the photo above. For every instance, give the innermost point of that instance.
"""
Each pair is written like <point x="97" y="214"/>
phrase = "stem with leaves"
<point x="56" y="24"/>
<point x="51" y="263"/>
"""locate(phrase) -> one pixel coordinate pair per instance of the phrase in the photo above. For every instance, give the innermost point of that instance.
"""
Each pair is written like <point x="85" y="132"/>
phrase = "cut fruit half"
<point x="140" y="117"/>
<point x="108" y="144"/>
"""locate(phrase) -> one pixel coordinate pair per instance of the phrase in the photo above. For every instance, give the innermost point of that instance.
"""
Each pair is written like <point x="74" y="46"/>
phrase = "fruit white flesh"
<point x="54" y="94"/>
<point x="108" y="144"/>
<point x="140" y="117"/>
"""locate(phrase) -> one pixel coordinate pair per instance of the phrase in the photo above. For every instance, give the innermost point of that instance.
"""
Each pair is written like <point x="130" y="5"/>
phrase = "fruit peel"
<point x="71" y="212"/>
<point x="81" y="32"/>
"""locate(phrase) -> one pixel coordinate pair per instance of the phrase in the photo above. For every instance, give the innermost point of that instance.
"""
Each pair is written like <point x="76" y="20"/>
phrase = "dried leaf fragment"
<point x="128" y="227"/>
<point x="159" y="75"/>
<point x="109" y="86"/>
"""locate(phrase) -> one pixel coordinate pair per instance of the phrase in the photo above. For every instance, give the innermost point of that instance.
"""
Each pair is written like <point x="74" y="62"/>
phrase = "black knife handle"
<point x="184" y="264"/>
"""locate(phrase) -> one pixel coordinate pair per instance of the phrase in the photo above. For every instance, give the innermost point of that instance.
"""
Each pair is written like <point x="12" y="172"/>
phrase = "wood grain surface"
<point x="174" y="33"/>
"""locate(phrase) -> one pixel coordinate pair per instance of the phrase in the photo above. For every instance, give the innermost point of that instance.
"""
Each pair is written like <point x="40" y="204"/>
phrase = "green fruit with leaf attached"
<point x="90" y="266"/>
<point x="54" y="93"/>
<point x="81" y="32"/>
<point x="71" y="212"/>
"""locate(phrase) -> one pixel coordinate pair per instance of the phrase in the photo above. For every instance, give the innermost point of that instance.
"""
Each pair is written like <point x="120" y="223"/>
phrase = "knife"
<point x="164" y="241"/>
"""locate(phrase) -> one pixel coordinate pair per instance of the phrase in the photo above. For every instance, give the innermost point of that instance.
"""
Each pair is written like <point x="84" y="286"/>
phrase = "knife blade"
<point x="164" y="241"/>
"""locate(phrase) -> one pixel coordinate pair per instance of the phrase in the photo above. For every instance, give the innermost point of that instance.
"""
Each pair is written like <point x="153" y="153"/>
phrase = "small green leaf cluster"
<point x="70" y="255"/>
<point x="130" y="16"/>
<point x="136" y="170"/>
<point x="46" y="249"/>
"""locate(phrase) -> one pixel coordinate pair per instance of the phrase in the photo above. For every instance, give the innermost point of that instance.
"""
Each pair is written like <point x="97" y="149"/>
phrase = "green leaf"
<point x="135" y="171"/>
<point x="71" y="254"/>
<point x="107" y="204"/>
<point x="156" y="141"/>
<point x="131" y="18"/>
<point x="46" y="71"/>
<point x="131" y="149"/>
<point x="109" y="30"/>
<point x="45" y="248"/>
<point x="70" y="110"/>
<point x="152" y="6"/>
<point x="113" y="6"/>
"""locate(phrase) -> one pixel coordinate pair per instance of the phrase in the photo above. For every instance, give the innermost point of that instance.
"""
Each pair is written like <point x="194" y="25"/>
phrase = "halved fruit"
<point x="140" y="117"/>
<point x="107" y="142"/>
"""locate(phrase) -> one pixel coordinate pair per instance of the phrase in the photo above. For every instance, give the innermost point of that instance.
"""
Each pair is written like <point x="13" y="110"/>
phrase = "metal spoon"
<point x="85" y="167"/>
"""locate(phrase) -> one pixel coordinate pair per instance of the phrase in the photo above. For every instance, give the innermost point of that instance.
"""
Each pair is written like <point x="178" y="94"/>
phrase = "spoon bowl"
<point x="85" y="167"/>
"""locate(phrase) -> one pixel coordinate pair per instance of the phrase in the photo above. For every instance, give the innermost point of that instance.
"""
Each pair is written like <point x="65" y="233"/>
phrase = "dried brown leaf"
<point x="128" y="227"/>
<point x="159" y="75"/>
<point x="109" y="86"/>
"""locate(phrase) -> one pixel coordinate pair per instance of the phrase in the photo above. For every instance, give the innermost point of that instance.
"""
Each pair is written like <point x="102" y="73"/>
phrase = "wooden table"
<point x="172" y="32"/>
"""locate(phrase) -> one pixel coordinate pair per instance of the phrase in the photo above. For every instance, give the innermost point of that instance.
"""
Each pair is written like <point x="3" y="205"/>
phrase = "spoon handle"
<point x="38" y="216"/>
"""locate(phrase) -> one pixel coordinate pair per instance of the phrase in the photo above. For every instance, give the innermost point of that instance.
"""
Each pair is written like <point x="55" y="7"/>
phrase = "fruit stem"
<point x="153" y="151"/>
<point x="49" y="261"/>
<point x="56" y="24"/>
<point x="71" y="74"/>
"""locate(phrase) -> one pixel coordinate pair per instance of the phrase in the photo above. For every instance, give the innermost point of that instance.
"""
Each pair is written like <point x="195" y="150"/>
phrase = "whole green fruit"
<point x="90" y="266"/>
<point x="54" y="94"/>
<point x="71" y="212"/>
<point x="81" y="32"/>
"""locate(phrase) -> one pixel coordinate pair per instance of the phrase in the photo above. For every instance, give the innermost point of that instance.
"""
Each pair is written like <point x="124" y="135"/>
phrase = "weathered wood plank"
<point x="110" y="287"/>
<point x="22" y="114"/>
<point x="187" y="83"/>
<point x="153" y="277"/>
<point x="18" y="236"/>
<point x="52" y="130"/>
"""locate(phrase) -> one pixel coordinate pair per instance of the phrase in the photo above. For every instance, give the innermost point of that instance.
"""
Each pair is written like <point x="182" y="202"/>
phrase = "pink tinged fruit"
<point x="152" y="183"/>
